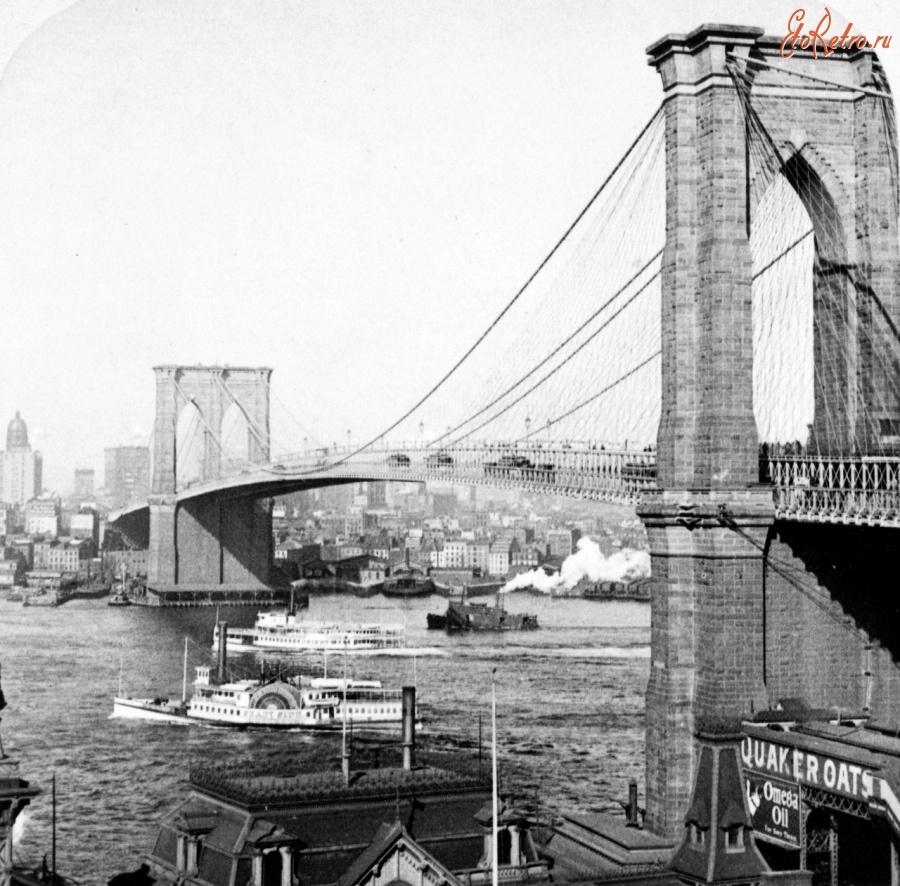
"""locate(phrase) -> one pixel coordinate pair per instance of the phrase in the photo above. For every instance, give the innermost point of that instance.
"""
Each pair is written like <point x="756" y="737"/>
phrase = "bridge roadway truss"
<point x="854" y="490"/>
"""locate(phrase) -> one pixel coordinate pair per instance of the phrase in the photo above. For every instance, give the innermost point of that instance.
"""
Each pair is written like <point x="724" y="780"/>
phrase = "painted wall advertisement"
<point x="806" y="767"/>
<point x="774" y="774"/>
<point x="774" y="808"/>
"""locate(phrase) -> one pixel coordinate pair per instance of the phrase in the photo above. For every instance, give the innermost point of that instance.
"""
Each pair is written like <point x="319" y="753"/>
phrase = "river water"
<point x="570" y="700"/>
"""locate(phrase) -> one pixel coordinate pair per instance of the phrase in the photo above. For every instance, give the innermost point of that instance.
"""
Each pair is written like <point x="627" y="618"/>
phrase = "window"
<point x="697" y="836"/>
<point x="734" y="839"/>
<point x="271" y="868"/>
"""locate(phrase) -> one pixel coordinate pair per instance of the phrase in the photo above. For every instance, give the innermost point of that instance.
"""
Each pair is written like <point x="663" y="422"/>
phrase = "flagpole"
<point x="345" y="755"/>
<point x="495" y="829"/>
<point x="184" y="673"/>
<point x="53" y="832"/>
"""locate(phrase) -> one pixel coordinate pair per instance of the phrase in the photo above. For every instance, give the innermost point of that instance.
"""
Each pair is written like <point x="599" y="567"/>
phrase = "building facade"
<point x="560" y="543"/>
<point x="127" y="474"/>
<point x="21" y="469"/>
<point x="85" y="525"/>
<point x="84" y="483"/>
<point x="42" y="517"/>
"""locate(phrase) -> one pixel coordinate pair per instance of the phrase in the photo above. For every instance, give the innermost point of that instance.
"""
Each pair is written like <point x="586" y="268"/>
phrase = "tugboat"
<point x="464" y="616"/>
<point x="119" y="595"/>
<point x="408" y="580"/>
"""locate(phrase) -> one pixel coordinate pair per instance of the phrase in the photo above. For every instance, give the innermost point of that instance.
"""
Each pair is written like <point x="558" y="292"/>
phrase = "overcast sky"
<point x="344" y="191"/>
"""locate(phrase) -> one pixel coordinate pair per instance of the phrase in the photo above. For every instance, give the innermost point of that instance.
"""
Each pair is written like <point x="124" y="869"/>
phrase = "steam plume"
<point x="587" y="562"/>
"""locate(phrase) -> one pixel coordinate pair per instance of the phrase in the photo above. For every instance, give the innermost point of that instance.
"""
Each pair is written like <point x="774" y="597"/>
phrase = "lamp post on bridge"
<point x="422" y="434"/>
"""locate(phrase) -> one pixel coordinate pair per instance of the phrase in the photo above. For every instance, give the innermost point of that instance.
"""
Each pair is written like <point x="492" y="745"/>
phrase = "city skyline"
<point x="199" y="184"/>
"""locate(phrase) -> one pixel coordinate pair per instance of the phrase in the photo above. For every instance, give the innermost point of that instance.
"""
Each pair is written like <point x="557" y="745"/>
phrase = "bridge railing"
<point x="575" y="468"/>
<point x="844" y="489"/>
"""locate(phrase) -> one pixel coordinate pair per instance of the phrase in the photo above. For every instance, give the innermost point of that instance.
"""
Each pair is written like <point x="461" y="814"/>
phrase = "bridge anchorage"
<point x="768" y="556"/>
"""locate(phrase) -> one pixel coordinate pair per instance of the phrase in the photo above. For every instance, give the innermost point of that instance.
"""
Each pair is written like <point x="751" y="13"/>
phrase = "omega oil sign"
<point x="774" y="808"/>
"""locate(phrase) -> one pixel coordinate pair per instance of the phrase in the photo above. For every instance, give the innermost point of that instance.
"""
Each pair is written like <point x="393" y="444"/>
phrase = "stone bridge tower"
<point x="710" y="522"/>
<point x="211" y="421"/>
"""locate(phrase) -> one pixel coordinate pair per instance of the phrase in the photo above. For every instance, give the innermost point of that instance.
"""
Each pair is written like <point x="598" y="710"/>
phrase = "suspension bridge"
<point x="562" y="393"/>
<point x="714" y="339"/>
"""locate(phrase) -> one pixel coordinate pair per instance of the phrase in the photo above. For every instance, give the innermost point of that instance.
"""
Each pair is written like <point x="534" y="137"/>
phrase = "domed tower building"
<point x="21" y="469"/>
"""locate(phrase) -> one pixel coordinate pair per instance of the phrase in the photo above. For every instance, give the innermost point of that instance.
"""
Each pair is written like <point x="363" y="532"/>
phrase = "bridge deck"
<point x="858" y="490"/>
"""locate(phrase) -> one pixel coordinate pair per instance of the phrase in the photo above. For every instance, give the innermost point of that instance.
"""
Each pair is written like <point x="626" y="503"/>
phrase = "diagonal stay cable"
<point x="643" y="363"/>
<point x="593" y="397"/>
<point x="557" y="368"/>
<point x="511" y="302"/>
<point x="783" y="253"/>
<point x="214" y="436"/>
<point x="552" y="354"/>
<point x="855" y="281"/>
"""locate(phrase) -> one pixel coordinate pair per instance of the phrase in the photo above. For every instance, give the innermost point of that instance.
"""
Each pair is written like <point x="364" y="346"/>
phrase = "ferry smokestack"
<point x="223" y="651"/>
<point x="409" y="726"/>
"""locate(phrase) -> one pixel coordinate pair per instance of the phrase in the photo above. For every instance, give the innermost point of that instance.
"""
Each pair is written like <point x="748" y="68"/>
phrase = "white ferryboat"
<point x="285" y="631"/>
<point x="318" y="703"/>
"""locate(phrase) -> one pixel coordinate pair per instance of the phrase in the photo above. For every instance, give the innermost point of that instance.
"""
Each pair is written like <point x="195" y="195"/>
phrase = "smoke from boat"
<point x="536" y="578"/>
<point x="587" y="562"/>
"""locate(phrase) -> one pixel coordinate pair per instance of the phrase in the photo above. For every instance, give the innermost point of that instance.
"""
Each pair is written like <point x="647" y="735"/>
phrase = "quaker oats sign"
<point x="807" y="767"/>
<point x="774" y="808"/>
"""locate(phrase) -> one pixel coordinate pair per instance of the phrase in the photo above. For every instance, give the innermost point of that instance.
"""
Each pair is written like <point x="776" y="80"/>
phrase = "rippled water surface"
<point x="570" y="709"/>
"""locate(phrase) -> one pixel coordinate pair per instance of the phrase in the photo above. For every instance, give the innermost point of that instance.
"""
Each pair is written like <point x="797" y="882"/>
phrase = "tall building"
<point x="127" y="474"/>
<point x="84" y="483"/>
<point x="21" y="469"/>
<point x="376" y="492"/>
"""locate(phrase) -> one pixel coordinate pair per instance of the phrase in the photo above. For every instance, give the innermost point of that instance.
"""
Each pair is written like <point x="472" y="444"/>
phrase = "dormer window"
<point x="734" y="839"/>
<point x="696" y="836"/>
<point x="187" y="856"/>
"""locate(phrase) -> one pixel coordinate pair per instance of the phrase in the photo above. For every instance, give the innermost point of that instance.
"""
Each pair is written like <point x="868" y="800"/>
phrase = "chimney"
<point x="223" y="652"/>
<point x="409" y="726"/>
<point x="631" y="811"/>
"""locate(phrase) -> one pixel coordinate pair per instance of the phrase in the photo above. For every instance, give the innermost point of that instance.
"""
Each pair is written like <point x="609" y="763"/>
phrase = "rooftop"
<point x="266" y="789"/>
